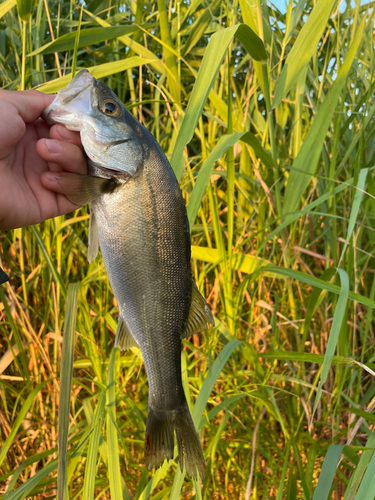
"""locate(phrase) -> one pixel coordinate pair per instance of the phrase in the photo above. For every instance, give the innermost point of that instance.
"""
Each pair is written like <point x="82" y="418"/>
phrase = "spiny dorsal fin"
<point x="93" y="248"/>
<point x="199" y="314"/>
<point x="124" y="339"/>
<point x="83" y="189"/>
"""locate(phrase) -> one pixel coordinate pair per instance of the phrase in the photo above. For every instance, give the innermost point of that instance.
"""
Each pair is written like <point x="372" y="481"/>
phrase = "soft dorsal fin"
<point x="83" y="189"/>
<point x="124" y="339"/>
<point x="93" y="247"/>
<point x="199" y="314"/>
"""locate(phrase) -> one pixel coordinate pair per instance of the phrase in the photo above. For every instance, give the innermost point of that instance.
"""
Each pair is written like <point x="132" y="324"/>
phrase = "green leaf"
<point x="114" y="474"/>
<point x="6" y="6"/>
<point x="251" y="42"/>
<point x="311" y="148"/>
<point x="101" y="71"/>
<point x="338" y="318"/>
<point x="328" y="472"/>
<point x="211" y="378"/>
<point x="24" y="8"/>
<point x="29" y="461"/>
<point x="26" y="488"/>
<point x="242" y="262"/>
<point x="360" y="470"/>
<point x="92" y="452"/>
<point x="313" y="281"/>
<point x="168" y="51"/>
<point x="303" y="48"/>
<point x="355" y="207"/>
<point x="225" y="142"/>
<point x="199" y="27"/>
<point x="367" y="487"/>
<point x="133" y="45"/>
<point x="47" y="256"/>
<point x="66" y="386"/>
<point x="20" y="418"/>
<point x="201" y="402"/>
<point x="88" y="36"/>
<point x="208" y="70"/>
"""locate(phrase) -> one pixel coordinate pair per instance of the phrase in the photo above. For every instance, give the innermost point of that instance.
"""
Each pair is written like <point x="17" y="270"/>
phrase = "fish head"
<point x="111" y="137"/>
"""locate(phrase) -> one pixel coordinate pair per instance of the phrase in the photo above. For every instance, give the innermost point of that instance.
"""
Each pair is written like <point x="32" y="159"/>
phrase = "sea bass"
<point x="138" y="218"/>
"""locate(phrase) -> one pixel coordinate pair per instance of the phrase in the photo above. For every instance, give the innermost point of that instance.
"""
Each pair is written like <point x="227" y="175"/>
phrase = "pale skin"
<point x="31" y="152"/>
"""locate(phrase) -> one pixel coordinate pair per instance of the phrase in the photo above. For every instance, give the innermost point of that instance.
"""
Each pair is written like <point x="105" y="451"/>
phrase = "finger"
<point x="29" y="103"/>
<point x="12" y="128"/>
<point x="63" y="206"/>
<point x="61" y="133"/>
<point x="55" y="205"/>
<point x="62" y="155"/>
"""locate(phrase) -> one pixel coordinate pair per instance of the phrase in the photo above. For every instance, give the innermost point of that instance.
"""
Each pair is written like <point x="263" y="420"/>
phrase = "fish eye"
<point x="110" y="107"/>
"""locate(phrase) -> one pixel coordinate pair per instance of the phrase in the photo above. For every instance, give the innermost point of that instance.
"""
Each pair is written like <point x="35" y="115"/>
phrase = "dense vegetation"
<point x="276" y="136"/>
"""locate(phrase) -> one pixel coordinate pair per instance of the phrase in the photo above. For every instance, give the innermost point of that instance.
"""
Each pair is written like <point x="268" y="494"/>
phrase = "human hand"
<point x="30" y="151"/>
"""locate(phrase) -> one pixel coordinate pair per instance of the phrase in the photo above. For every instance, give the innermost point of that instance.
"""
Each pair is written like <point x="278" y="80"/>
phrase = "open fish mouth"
<point x="82" y="81"/>
<point x="72" y="103"/>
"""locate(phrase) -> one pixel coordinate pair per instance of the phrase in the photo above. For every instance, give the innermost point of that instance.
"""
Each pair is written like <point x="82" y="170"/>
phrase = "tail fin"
<point x="159" y="441"/>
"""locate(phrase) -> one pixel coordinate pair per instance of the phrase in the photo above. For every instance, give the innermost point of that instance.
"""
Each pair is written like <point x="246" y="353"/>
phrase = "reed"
<point x="268" y="121"/>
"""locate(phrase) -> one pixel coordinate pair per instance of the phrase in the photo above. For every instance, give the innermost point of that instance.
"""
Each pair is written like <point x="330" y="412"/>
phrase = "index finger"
<point x="29" y="103"/>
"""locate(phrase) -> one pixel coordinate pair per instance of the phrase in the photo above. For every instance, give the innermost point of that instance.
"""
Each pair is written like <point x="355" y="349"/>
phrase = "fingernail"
<point x="53" y="146"/>
<point x="51" y="176"/>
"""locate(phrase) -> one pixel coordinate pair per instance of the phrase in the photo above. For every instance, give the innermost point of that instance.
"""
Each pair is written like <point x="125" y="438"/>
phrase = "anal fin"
<point x="199" y="314"/>
<point x="124" y="339"/>
<point x="93" y="247"/>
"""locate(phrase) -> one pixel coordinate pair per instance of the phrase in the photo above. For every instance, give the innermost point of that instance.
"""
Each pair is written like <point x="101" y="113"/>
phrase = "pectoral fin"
<point x="199" y="315"/>
<point x="83" y="189"/>
<point x="93" y="248"/>
<point x="124" y="339"/>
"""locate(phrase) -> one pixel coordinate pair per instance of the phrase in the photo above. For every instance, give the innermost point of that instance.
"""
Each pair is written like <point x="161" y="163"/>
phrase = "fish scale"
<point x="139" y="220"/>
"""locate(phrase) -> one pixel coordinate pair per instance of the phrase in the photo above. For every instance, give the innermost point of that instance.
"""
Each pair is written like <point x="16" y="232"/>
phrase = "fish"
<point x="138" y="219"/>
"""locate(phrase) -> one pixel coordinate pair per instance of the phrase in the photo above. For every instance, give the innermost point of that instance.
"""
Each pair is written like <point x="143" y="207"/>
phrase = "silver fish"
<point x="139" y="220"/>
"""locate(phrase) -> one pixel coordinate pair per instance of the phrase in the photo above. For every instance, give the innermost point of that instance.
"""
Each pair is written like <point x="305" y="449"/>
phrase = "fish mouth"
<point x="78" y="84"/>
<point x="71" y="103"/>
<point x="111" y="173"/>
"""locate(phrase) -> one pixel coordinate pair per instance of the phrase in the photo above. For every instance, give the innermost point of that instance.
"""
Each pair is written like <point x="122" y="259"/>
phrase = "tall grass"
<point x="268" y="120"/>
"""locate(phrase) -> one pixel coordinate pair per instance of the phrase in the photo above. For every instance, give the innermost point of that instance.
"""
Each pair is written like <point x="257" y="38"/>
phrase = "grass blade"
<point x="199" y="27"/>
<point x="312" y="146"/>
<point x="208" y="70"/>
<point x="303" y="48"/>
<point x="334" y="333"/>
<point x="100" y="71"/>
<point x="202" y="399"/>
<point x="88" y="36"/>
<point x="20" y="417"/>
<point x="328" y="472"/>
<point x="92" y="452"/>
<point x="360" y="470"/>
<point x="66" y="386"/>
<point x="24" y="8"/>
<point x="224" y="143"/>
<point x="366" y="489"/>
<point x="50" y="263"/>
<point x="168" y="50"/>
<point x="355" y="208"/>
<point x="114" y="473"/>
<point x="6" y="6"/>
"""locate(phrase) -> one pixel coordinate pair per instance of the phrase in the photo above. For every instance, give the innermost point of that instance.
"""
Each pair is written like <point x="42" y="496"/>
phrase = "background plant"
<point x="274" y="147"/>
